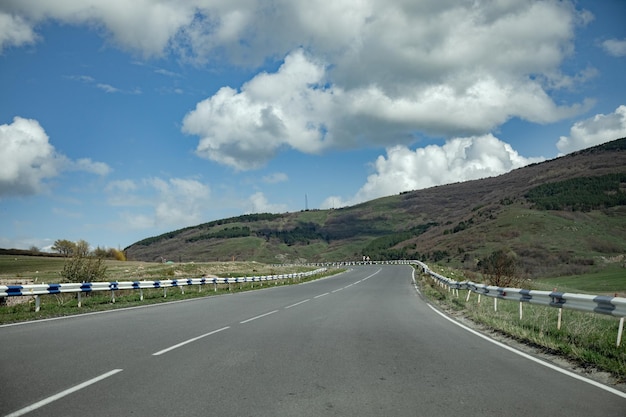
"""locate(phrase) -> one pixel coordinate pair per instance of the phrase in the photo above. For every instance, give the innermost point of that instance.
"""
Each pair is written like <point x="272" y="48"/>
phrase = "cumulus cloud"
<point x="594" y="131"/>
<point x="245" y="129"/>
<point x="459" y="159"/>
<point x="258" y="203"/>
<point x="145" y="26"/>
<point x="374" y="72"/>
<point x="28" y="159"/>
<point x="615" y="47"/>
<point x="159" y="203"/>
<point x="15" y="31"/>
<point x="296" y="107"/>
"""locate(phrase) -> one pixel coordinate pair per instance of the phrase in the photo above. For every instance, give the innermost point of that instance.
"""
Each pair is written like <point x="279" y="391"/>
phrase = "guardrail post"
<point x="37" y="304"/>
<point x="521" y="309"/>
<point x="140" y="294"/>
<point x="468" y="296"/>
<point x="80" y="303"/>
<point x="558" y="324"/>
<point x="113" y="296"/>
<point x="495" y="304"/>
<point x="164" y="292"/>
<point x="620" y="330"/>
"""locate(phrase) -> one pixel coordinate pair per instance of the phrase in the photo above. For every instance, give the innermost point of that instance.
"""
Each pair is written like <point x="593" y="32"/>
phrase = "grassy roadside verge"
<point x="58" y="305"/>
<point x="588" y="340"/>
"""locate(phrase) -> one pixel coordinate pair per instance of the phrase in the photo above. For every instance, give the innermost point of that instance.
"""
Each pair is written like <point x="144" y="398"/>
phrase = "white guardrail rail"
<point x="601" y="304"/>
<point x="37" y="290"/>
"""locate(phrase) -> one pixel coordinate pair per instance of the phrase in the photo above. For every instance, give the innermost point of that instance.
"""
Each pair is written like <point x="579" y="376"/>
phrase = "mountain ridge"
<point x="456" y="223"/>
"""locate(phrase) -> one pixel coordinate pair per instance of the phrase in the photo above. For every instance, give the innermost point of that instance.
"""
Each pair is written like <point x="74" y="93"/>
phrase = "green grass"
<point x="585" y="338"/>
<point x="610" y="281"/>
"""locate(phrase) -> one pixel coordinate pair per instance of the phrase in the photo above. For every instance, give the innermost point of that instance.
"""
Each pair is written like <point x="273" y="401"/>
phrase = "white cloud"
<point x="145" y="26"/>
<point x="615" y="47"/>
<point x="258" y="203"/>
<point x="28" y="159"/>
<point x="594" y="131"/>
<point x="459" y="159"/>
<point x="245" y="129"/>
<point x="275" y="178"/>
<point x="296" y="107"/>
<point x="121" y="186"/>
<point x="87" y="165"/>
<point x="15" y="31"/>
<point x="180" y="201"/>
<point x="159" y="203"/>
<point x="374" y="72"/>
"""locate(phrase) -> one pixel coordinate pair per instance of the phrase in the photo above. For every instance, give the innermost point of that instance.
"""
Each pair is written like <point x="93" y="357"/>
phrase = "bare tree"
<point x="82" y="248"/>
<point x="500" y="268"/>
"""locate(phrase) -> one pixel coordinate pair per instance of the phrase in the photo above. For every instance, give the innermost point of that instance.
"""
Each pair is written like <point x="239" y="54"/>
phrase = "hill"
<point x="559" y="217"/>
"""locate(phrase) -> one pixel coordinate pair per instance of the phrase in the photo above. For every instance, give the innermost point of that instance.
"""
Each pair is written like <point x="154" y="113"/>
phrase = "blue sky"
<point x="124" y="120"/>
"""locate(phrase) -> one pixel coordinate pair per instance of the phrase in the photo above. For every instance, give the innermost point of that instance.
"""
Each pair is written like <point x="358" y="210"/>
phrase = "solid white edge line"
<point x="258" y="317"/>
<point x="62" y="394"/>
<point x="297" y="304"/>
<point x="532" y="358"/>
<point x="189" y="341"/>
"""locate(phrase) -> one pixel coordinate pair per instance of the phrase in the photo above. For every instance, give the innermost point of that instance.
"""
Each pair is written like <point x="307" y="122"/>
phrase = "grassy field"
<point x="587" y="339"/>
<point x="610" y="281"/>
<point x="38" y="269"/>
<point x="31" y="269"/>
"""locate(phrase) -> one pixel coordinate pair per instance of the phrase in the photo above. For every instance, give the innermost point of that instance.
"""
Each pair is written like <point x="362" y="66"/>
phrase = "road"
<point x="362" y="343"/>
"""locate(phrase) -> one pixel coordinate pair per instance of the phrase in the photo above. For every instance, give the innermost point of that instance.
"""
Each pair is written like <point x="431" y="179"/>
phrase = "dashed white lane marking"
<point x="338" y="289"/>
<point x="321" y="295"/>
<point x="62" y="394"/>
<point x="297" y="304"/>
<point x="189" y="341"/>
<point x="258" y="317"/>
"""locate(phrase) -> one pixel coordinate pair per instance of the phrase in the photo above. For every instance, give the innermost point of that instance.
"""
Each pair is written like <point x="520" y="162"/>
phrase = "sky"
<point x="121" y="120"/>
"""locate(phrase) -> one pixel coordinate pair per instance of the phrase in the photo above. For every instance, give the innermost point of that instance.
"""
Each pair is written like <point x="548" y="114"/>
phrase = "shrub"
<point x="83" y="269"/>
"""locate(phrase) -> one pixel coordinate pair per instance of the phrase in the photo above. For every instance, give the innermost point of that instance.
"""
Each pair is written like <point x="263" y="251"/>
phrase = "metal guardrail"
<point x="601" y="304"/>
<point x="37" y="290"/>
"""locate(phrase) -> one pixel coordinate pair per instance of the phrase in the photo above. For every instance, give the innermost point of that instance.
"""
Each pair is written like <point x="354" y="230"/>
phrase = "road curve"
<point x="361" y="343"/>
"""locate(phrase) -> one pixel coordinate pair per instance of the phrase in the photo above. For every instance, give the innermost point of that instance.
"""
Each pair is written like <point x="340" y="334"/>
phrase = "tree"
<point x="116" y="254"/>
<point x="81" y="248"/>
<point x="64" y="247"/>
<point x="500" y="268"/>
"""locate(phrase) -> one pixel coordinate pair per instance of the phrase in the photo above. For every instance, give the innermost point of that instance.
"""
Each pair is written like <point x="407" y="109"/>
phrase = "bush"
<point x="84" y="269"/>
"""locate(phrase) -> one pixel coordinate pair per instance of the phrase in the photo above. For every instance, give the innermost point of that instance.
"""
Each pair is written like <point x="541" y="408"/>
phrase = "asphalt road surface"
<point x="362" y="343"/>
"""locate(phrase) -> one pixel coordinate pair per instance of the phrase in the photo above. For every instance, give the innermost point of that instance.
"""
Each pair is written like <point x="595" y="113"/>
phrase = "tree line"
<point x="82" y="248"/>
<point x="84" y="264"/>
